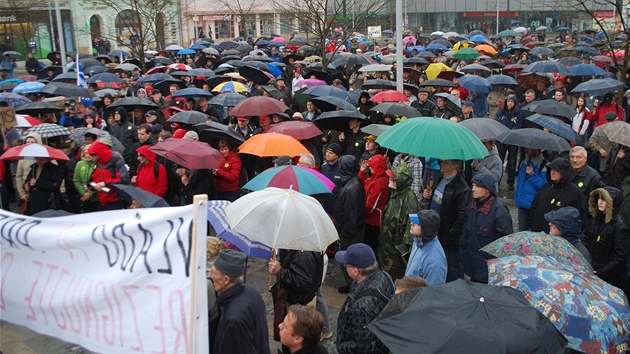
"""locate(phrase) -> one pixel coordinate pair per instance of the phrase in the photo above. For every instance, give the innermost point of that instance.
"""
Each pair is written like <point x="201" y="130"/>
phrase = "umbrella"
<point x="271" y="145"/>
<point x="69" y="77"/>
<point x="415" y="61"/>
<point x="376" y="129"/>
<point x="478" y="38"/>
<point x="103" y="92"/>
<point x="556" y="126"/>
<point x="211" y="132"/>
<point x="230" y="86"/>
<point x="207" y="73"/>
<point x="378" y="84"/>
<point x="94" y="70"/>
<point x="78" y="135"/>
<point x="486" y="49"/>
<point x="192" y="92"/>
<point x="502" y="80"/>
<point x="186" y="51"/>
<point x="65" y="89"/>
<point x="550" y="107"/>
<point x="33" y="150"/>
<point x="507" y="33"/>
<point x="25" y="121"/>
<point x="453" y="103"/>
<point x="180" y="67"/>
<point x="529" y="243"/>
<point x="466" y="53"/>
<point x="129" y="103"/>
<point x="481" y="318"/>
<point x="434" y="69"/>
<point x="29" y="87"/>
<point x="128" y="67"/>
<point x="191" y="154"/>
<point x="353" y="59"/>
<point x="485" y="128"/>
<point x="227" y="99"/>
<point x="146" y="199"/>
<point x="592" y="314"/>
<point x="310" y="83"/>
<point x="534" y="139"/>
<point x="570" y="61"/>
<point x="291" y="220"/>
<point x="493" y="63"/>
<point x="38" y="108"/>
<point x="437" y="46"/>
<point x="603" y="59"/>
<point x="338" y="120"/>
<point x="598" y="87"/>
<point x="174" y="47"/>
<point x="300" y="179"/>
<point x="8" y="85"/>
<point x="258" y="106"/>
<point x="297" y="129"/>
<point x="254" y="74"/>
<point x="217" y="216"/>
<point x="13" y="99"/>
<point x="542" y="51"/>
<point x="433" y="137"/>
<point x="103" y="77"/>
<point x="546" y="66"/>
<point x="118" y="53"/>
<point x="326" y="91"/>
<point x="471" y="68"/>
<point x="586" y="70"/>
<point x="157" y="78"/>
<point x="475" y="84"/>
<point x="618" y="132"/>
<point x="13" y="54"/>
<point x="373" y="68"/>
<point x="188" y="117"/>
<point x="438" y="83"/>
<point x="49" y="130"/>
<point x="389" y="96"/>
<point x="396" y="109"/>
<point x="520" y="29"/>
<point x="331" y="103"/>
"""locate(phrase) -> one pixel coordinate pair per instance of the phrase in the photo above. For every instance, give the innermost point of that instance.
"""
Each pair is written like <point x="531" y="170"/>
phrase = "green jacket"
<point x="82" y="175"/>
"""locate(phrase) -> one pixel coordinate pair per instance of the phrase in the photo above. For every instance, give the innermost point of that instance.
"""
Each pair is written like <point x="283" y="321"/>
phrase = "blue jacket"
<point x="528" y="186"/>
<point x="511" y="119"/>
<point x="484" y="224"/>
<point x="71" y="121"/>
<point x="480" y="105"/>
<point x="427" y="260"/>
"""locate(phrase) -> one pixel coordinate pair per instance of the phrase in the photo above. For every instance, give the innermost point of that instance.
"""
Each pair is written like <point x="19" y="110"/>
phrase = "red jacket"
<point x="229" y="175"/>
<point x="145" y="175"/>
<point x="599" y="115"/>
<point x="106" y="171"/>
<point x="376" y="190"/>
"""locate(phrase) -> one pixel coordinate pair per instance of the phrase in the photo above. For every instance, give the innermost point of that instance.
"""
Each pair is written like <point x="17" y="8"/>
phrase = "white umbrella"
<point x="282" y="218"/>
<point x="520" y="29"/>
<point x="450" y="34"/>
<point x="174" y="47"/>
<point x="438" y="33"/>
<point x="375" y="68"/>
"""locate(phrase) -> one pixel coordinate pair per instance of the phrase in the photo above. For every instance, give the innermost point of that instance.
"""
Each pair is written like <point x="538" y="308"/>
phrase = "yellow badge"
<point x="552" y="201"/>
<point x="129" y="127"/>
<point x="404" y="164"/>
<point x="226" y="165"/>
<point x="599" y="237"/>
<point x="356" y="144"/>
<point x="581" y="184"/>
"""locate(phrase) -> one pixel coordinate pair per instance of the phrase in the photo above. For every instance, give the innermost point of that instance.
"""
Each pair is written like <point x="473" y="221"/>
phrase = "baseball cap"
<point x="151" y="113"/>
<point x="242" y="118"/>
<point x="358" y="255"/>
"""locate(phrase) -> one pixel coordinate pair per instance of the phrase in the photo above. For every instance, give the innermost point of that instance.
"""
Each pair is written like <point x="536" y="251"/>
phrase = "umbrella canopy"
<point x="592" y="314"/>
<point x="534" y="139"/>
<point x="485" y="129"/>
<point x="433" y="137"/>
<point x="331" y="103"/>
<point x="389" y="96"/>
<point x="296" y="129"/>
<point x="338" y="120"/>
<point x="191" y="154"/>
<point x="453" y="103"/>
<point x="188" y="117"/>
<point x="254" y="74"/>
<point x="12" y="54"/>
<point x="353" y="59"/>
<point x="434" y="69"/>
<point x="556" y="126"/>
<point x="618" y="132"/>
<point x="25" y="121"/>
<point x="271" y="145"/>
<point x="586" y="70"/>
<point x="485" y="48"/>
<point x="502" y="80"/>
<point x="396" y="109"/>
<point x="378" y="84"/>
<point x="546" y="66"/>
<point x="8" y="85"/>
<point x="33" y="150"/>
<point x="29" y="87"/>
<point x="374" y="68"/>
<point x="78" y="135"/>
<point x="310" y="82"/>
<point x="207" y="73"/>
<point x="69" y="77"/>
<point x="103" y="77"/>
<point x="230" y="86"/>
<point x="471" y="68"/>
<point x="466" y="53"/>
<point x="49" y="130"/>
<point x="304" y="180"/>
<point x="258" y="106"/>
<point x="282" y="218"/>
<point x="376" y="129"/>
<point x="211" y="132"/>
<point x="13" y="99"/>
<point x="598" y="87"/>
<point x="550" y="107"/>
<point x="192" y="92"/>
<point x="37" y="108"/>
<point x="227" y="99"/>
<point x="147" y="199"/>
<point x="318" y="91"/>
<point x="158" y="77"/>
<point x="507" y="33"/>
<point x="65" y="89"/>
<point x="475" y="84"/>
<point x="481" y="318"/>
<point x="174" y="47"/>
<point x="542" y="51"/>
<point x="129" y="103"/>
<point x="438" y="83"/>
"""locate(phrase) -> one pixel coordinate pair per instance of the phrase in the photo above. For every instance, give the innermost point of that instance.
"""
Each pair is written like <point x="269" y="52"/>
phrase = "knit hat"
<point x="179" y="133"/>
<point x="336" y="148"/>
<point x="191" y="135"/>
<point x="231" y="263"/>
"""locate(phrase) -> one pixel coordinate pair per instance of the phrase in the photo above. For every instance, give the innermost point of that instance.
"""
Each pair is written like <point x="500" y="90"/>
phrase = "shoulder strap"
<point x="156" y="170"/>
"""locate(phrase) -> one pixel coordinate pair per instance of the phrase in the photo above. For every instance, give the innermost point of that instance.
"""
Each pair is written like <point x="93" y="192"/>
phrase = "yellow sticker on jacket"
<point x="580" y="184"/>
<point x="552" y="201"/>
<point x="226" y="165"/>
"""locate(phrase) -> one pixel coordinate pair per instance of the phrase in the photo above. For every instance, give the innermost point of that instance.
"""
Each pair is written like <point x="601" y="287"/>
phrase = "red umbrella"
<point x="33" y="150"/>
<point x="258" y="106"/>
<point x="296" y="129"/>
<point x="26" y="121"/>
<point x="191" y="154"/>
<point x="389" y="96"/>
<point x="603" y="59"/>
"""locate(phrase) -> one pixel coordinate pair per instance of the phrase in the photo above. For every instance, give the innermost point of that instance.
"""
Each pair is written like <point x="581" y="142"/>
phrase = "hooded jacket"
<point x="427" y="258"/>
<point x="49" y="178"/>
<point x="110" y="169"/>
<point x="349" y="210"/>
<point x="145" y="175"/>
<point x="490" y="164"/>
<point x="229" y="174"/>
<point x="127" y="134"/>
<point x="567" y="221"/>
<point x="555" y="195"/>
<point x="606" y="236"/>
<point x="24" y="167"/>
<point x="512" y="119"/>
<point x="528" y="186"/>
<point x="376" y="190"/>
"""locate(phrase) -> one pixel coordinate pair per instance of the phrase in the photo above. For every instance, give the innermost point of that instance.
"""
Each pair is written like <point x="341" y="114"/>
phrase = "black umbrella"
<point x="438" y="82"/>
<point x="104" y="77"/>
<point x="415" y="61"/>
<point x="164" y="86"/>
<point x="378" y="84"/>
<point x="318" y="74"/>
<point x="207" y="73"/>
<point x="493" y="62"/>
<point x="443" y="42"/>
<point x="69" y="77"/>
<point x="147" y="199"/>
<point x="244" y="48"/>
<point x="533" y="138"/>
<point x="274" y="92"/>
<point x="353" y="59"/>
<point x="338" y="120"/>
<point x="551" y="107"/>
<point x="94" y="70"/>
<point x="7" y="86"/>
<point x="157" y="78"/>
<point x="129" y="103"/>
<point x="43" y="74"/>
<point x="188" y="117"/>
<point x="331" y="103"/>
<point x="38" y="108"/>
<point x="396" y="109"/>
<point x="254" y="74"/>
<point x="211" y="133"/>
<point x="65" y="89"/>
<point x="104" y="57"/>
<point x="453" y="103"/>
<point x="466" y="317"/>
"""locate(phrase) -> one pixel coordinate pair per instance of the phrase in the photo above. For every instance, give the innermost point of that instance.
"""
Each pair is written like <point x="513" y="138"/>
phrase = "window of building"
<point x="128" y="27"/>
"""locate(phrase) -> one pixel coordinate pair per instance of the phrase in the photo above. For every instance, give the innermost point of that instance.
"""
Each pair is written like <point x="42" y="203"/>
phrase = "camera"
<point x="70" y="103"/>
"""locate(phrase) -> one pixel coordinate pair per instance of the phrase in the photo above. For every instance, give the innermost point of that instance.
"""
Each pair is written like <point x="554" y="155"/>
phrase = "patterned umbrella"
<point x="528" y="243"/>
<point x="592" y="314"/>
<point x="78" y="135"/>
<point x="303" y="180"/>
<point x="49" y="130"/>
<point x="227" y="45"/>
<point x="230" y="86"/>
<point x="13" y="99"/>
<point x="227" y="99"/>
<point x="29" y="87"/>
<point x="33" y="150"/>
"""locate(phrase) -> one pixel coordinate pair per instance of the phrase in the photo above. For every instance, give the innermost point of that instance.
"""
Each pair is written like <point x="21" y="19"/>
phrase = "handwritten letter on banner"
<point x="112" y="282"/>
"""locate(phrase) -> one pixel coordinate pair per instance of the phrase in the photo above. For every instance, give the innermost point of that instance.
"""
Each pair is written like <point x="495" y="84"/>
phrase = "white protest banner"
<point x="113" y="282"/>
<point x="374" y="32"/>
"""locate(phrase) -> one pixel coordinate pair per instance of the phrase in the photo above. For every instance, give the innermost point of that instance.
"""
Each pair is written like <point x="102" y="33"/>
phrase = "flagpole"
<point x="62" y="45"/>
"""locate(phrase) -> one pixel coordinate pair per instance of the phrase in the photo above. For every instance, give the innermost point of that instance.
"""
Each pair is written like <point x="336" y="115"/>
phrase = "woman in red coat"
<point x="228" y="176"/>
<point x="376" y="196"/>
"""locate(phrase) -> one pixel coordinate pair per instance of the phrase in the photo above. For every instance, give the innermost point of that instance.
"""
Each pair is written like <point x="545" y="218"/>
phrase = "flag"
<point x="80" y="76"/>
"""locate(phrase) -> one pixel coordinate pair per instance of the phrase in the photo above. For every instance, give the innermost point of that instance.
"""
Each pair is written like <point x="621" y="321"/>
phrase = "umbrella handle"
<point x="273" y="258"/>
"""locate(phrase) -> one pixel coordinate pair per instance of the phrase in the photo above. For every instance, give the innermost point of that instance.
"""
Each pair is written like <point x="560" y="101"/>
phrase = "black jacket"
<point x="32" y="66"/>
<point x="555" y="195"/>
<point x="587" y="180"/>
<point x="46" y="186"/>
<point x="349" y="210"/>
<point x="199" y="182"/>
<point x="427" y="108"/>
<point x="301" y="275"/>
<point x="317" y="348"/>
<point x="354" y="144"/>
<point x="127" y="134"/>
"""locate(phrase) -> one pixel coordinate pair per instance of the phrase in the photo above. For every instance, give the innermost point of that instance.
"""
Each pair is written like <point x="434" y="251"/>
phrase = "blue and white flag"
<point x="80" y="76"/>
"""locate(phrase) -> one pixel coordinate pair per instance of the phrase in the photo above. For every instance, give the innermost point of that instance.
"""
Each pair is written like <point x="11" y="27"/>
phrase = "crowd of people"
<point x="404" y="221"/>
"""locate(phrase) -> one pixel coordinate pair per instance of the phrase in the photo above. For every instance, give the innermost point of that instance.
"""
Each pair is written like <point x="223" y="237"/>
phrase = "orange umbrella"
<point x="486" y="49"/>
<point x="272" y="144"/>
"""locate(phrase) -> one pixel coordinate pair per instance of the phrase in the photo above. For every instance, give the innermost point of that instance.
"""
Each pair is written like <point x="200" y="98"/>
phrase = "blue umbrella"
<point x="475" y="83"/>
<point x="388" y="32"/>
<point x="203" y="42"/>
<point x="13" y="99"/>
<point x="274" y="70"/>
<point x="118" y="53"/>
<point x="17" y="81"/>
<point x="192" y="92"/>
<point x="29" y="87"/>
<point x="326" y="91"/>
<point x="436" y="46"/>
<point x="560" y="29"/>
<point x="586" y="70"/>
<point x="598" y="87"/>
<point x="418" y="48"/>
<point x="546" y="66"/>
<point x="197" y="47"/>
<point x="556" y="126"/>
<point x="515" y="23"/>
<point x="478" y="38"/>
<point x="263" y="42"/>
<point x="278" y="64"/>
<point x="186" y="51"/>
<point x="303" y="180"/>
<point x="502" y="80"/>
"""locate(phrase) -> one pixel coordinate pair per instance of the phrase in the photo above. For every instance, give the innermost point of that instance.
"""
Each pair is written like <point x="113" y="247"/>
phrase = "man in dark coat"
<point x="584" y="176"/>
<point x="349" y="211"/>
<point x="512" y="118"/>
<point x="330" y="169"/>
<point x="32" y="64"/>
<point x="557" y="193"/>
<point x="487" y="219"/>
<point x="427" y="108"/>
<point x="242" y="326"/>
<point x="127" y="134"/>
<point x="353" y="143"/>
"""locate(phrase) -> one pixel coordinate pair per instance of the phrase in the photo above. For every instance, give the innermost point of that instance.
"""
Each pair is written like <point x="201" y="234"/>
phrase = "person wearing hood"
<point x="512" y="118"/>
<point x="349" y="211"/>
<point x="427" y="258"/>
<point x="607" y="105"/>
<point x="110" y="169"/>
<point x="490" y="164"/>
<point x="151" y="175"/>
<point x="487" y="219"/>
<point x="558" y="192"/>
<point x="565" y="222"/>
<point x="127" y="134"/>
<point x="364" y="105"/>
<point x="606" y="237"/>
<point x="376" y="196"/>
<point x="330" y="169"/>
<point x="88" y="201"/>
<point x="618" y="166"/>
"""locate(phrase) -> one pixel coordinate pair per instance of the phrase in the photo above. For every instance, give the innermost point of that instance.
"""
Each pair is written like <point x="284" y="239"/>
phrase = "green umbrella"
<point x="466" y="53"/>
<point x="433" y="137"/>
<point x="507" y="33"/>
